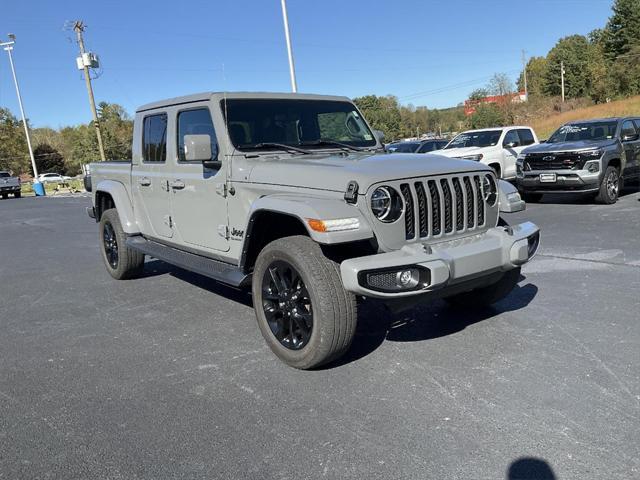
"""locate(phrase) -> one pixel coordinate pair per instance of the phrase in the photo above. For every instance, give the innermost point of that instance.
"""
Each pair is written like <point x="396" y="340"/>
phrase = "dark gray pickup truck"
<point x="591" y="156"/>
<point x="9" y="185"/>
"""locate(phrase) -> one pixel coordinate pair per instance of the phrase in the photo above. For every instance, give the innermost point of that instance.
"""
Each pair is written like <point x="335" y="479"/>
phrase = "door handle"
<point x="177" y="185"/>
<point x="144" y="182"/>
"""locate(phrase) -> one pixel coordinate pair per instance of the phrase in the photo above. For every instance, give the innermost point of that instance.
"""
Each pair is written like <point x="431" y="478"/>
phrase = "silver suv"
<point x="294" y="196"/>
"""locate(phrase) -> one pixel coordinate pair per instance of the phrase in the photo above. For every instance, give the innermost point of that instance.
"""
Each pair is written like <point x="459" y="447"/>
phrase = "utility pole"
<point x="8" y="47"/>
<point x="292" y="68"/>
<point x="562" y="79"/>
<point x="524" y="73"/>
<point x="78" y="27"/>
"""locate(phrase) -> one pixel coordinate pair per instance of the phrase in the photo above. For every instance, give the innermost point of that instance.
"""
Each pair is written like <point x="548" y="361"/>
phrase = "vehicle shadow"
<point x="583" y="198"/>
<point x="153" y="268"/>
<point x="530" y="468"/>
<point x="425" y="322"/>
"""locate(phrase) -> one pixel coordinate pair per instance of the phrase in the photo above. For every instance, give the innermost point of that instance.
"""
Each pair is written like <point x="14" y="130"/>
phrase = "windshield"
<point x="4" y="175"/>
<point x="584" y="131"/>
<point x="404" y="147"/>
<point x="486" y="138"/>
<point x="299" y="123"/>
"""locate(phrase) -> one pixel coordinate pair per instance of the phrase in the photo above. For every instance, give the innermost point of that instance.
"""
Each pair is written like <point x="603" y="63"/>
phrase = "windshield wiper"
<point x="329" y="143"/>
<point x="281" y="146"/>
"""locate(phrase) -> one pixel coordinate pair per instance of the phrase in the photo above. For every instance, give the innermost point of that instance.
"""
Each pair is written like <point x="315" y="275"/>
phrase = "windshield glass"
<point x="298" y="123"/>
<point x="404" y="147"/>
<point x="584" y="131"/>
<point x="487" y="138"/>
<point x="4" y="175"/>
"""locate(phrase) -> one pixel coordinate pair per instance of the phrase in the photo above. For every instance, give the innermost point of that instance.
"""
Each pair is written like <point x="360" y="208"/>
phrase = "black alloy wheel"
<point x="110" y="245"/>
<point x="287" y="305"/>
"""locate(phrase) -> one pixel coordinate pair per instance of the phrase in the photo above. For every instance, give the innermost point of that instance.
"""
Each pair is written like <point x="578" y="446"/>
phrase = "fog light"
<point x="404" y="278"/>
<point x="395" y="280"/>
<point x="533" y="242"/>
<point x="593" y="167"/>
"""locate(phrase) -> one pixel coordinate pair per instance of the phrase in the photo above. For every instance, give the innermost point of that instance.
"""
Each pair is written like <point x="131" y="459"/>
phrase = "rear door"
<point x="198" y="194"/>
<point x="631" y="148"/>
<point x="150" y="177"/>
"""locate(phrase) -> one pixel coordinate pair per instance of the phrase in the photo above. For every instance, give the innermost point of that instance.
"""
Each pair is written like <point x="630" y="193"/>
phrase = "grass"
<point x="50" y="188"/>
<point x="546" y="125"/>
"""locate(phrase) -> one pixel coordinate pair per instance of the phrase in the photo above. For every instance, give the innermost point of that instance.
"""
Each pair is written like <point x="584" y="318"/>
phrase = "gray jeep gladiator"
<point x="293" y="195"/>
<point x="591" y="156"/>
<point x="9" y="185"/>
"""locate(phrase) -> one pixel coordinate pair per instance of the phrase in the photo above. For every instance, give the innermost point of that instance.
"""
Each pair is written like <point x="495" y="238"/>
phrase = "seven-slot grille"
<point x="434" y="207"/>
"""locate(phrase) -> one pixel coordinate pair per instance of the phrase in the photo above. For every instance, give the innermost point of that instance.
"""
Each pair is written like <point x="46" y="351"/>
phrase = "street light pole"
<point x="292" y="68"/>
<point x="8" y="47"/>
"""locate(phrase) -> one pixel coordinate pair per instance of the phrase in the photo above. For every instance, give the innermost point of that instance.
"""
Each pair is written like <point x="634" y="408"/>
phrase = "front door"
<point x="631" y="148"/>
<point x="198" y="194"/>
<point x="511" y="148"/>
<point x="150" y="177"/>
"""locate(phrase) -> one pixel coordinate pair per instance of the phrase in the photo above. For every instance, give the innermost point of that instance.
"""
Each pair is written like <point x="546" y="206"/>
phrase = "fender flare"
<point x="306" y="207"/>
<point x="122" y="201"/>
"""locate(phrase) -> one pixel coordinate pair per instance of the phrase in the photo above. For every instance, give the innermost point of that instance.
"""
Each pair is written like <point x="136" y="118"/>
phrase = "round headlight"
<point x="489" y="190"/>
<point x="386" y="204"/>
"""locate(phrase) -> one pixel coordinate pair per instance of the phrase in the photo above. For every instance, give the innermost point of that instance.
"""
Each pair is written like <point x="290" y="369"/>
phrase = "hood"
<point x="335" y="171"/>
<point x="569" y="146"/>
<point x="464" y="151"/>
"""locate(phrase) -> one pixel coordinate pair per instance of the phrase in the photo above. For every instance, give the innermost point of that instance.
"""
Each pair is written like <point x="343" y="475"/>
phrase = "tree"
<point x="479" y="94"/>
<point x="623" y="28"/>
<point x="500" y="84"/>
<point x="574" y="52"/>
<point x="487" y="115"/>
<point x="48" y="159"/>
<point x="536" y="72"/>
<point x="14" y="155"/>
<point x="382" y="113"/>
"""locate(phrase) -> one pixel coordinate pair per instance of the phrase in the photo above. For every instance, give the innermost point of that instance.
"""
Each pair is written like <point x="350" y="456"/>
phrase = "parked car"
<point x="292" y="195"/>
<point x="417" y="146"/>
<point x="52" y="178"/>
<point x="9" y="185"/>
<point x="591" y="156"/>
<point x="496" y="147"/>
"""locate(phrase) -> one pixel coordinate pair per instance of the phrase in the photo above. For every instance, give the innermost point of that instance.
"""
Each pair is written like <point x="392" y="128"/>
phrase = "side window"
<point x="427" y="147"/>
<point x="628" y="128"/>
<point x="511" y="137"/>
<point x="637" y="123"/>
<point x="154" y="138"/>
<point x="194" y="122"/>
<point x="526" y="137"/>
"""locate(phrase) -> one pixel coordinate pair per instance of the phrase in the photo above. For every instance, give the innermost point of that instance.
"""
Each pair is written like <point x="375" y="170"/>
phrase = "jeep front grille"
<point x="444" y="206"/>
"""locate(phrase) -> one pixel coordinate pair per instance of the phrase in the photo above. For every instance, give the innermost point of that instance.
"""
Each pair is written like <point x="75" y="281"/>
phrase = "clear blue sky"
<point x="157" y="49"/>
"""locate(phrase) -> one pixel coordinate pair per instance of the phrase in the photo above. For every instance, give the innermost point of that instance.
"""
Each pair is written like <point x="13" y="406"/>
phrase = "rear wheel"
<point x="304" y="313"/>
<point x="609" y="187"/>
<point x="17" y="194"/>
<point x="121" y="261"/>
<point x="485" y="296"/>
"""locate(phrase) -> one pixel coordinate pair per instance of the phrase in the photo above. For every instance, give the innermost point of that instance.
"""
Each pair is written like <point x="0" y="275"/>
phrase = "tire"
<point x="318" y="292"/>
<point x="17" y="194"/>
<point x="609" y="187"/>
<point x="532" y="197"/>
<point x="485" y="296"/>
<point x="127" y="263"/>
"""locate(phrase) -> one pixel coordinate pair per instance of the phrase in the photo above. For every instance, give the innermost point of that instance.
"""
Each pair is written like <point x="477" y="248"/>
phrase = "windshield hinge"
<point x="223" y="231"/>
<point x="221" y="189"/>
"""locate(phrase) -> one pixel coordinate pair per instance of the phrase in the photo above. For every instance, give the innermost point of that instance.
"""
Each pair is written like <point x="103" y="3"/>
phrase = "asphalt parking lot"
<point x="168" y="377"/>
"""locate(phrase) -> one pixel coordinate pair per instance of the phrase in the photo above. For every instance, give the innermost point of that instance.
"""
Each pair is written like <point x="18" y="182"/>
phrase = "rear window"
<point x="154" y="138"/>
<point x="526" y="137"/>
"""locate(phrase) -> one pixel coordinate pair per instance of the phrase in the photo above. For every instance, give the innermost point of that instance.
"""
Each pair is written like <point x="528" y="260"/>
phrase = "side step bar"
<point x="220" y="271"/>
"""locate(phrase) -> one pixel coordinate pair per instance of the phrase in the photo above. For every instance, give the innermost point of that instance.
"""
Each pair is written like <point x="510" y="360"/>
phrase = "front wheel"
<point x="304" y="313"/>
<point x="121" y="261"/>
<point x="609" y="187"/>
<point x="485" y="296"/>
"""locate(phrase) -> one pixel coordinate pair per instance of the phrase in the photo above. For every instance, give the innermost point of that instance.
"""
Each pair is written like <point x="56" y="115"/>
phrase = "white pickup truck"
<point x="496" y="147"/>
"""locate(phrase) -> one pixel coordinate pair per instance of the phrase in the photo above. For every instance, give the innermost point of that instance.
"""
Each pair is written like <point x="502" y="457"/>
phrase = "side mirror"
<point x="630" y="138"/>
<point x="379" y="134"/>
<point x="197" y="148"/>
<point x="511" y="145"/>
